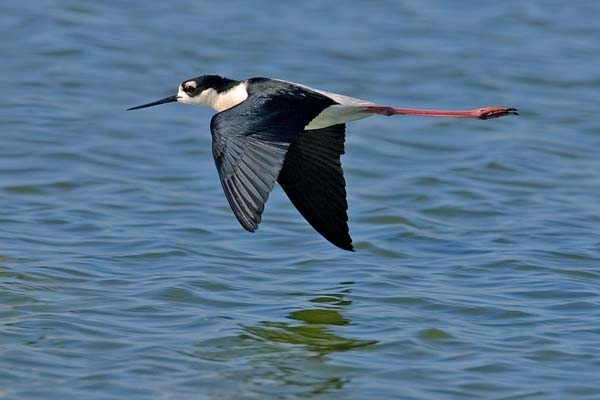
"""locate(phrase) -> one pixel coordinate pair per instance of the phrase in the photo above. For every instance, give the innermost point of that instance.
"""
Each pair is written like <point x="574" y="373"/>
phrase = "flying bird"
<point x="269" y="130"/>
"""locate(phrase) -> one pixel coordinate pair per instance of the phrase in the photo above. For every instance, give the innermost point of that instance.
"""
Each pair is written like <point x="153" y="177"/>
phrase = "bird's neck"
<point x="223" y="98"/>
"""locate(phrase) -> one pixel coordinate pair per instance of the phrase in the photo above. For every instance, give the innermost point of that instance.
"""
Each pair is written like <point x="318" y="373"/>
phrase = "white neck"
<point x="217" y="101"/>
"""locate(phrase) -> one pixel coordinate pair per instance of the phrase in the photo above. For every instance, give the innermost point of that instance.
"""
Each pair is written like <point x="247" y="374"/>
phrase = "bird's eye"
<point x="189" y="89"/>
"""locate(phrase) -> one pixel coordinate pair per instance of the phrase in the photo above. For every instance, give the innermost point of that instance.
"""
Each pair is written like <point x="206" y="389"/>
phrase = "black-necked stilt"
<point x="269" y="130"/>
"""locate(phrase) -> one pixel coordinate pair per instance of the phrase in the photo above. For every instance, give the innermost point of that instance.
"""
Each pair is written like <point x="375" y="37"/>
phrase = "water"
<point x="125" y="275"/>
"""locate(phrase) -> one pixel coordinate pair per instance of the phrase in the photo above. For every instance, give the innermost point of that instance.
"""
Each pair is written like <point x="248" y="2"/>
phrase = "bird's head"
<point x="203" y="90"/>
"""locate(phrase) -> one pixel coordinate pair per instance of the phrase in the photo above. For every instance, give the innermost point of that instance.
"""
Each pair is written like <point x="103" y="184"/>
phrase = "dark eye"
<point x="189" y="89"/>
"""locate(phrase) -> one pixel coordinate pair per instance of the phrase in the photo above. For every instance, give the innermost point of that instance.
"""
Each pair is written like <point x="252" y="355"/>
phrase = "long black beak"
<point x="169" y="99"/>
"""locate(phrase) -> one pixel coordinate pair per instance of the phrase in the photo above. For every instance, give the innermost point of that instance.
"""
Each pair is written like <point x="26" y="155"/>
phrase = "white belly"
<point x="337" y="114"/>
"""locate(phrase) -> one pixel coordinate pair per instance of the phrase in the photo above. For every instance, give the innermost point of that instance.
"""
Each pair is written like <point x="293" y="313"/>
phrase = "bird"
<point x="269" y="130"/>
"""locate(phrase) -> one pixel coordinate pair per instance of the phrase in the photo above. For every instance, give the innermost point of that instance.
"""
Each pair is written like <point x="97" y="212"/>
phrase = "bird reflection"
<point x="293" y="357"/>
<point x="314" y="331"/>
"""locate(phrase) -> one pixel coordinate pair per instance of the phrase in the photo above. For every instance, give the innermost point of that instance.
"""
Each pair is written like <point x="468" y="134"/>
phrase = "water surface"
<point x="123" y="273"/>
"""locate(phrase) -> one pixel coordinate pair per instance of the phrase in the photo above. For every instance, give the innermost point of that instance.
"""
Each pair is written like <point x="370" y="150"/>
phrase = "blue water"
<point x="124" y="274"/>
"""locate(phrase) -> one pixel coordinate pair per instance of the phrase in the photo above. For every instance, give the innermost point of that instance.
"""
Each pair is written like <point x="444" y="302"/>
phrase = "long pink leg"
<point x="480" y="113"/>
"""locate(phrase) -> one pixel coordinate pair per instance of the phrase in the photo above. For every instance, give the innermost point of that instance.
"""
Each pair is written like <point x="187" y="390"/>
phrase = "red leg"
<point x="480" y="113"/>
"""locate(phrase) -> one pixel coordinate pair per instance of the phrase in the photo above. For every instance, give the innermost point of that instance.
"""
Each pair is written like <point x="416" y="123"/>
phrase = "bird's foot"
<point x="496" y="112"/>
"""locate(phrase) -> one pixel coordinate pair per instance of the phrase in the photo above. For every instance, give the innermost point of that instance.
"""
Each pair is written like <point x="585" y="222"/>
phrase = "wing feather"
<point x="313" y="179"/>
<point x="251" y="140"/>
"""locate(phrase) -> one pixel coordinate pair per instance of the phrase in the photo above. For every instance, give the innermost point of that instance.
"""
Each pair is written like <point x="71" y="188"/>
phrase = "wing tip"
<point x="250" y="226"/>
<point x="349" y="248"/>
<point x="343" y="243"/>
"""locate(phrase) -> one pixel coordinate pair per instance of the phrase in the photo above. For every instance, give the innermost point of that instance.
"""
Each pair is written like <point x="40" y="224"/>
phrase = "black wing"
<point x="313" y="179"/>
<point x="250" y="142"/>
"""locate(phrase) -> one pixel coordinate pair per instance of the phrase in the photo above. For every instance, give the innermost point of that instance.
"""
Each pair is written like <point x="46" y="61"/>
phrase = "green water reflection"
<point x="294" y="356"/>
